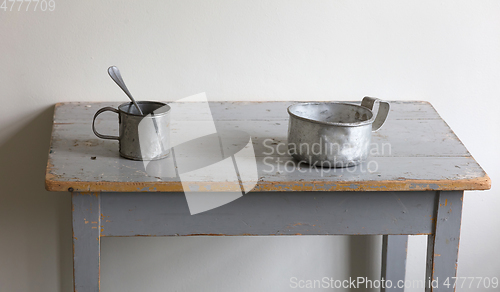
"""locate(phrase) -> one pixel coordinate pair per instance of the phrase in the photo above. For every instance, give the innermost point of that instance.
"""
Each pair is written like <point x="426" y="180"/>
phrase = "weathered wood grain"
<point x="284" y="213"/>
<point x="415" y="150"/>
<point x="394" y="251"/>
<point x="442" y="246"/>
<point x="86" y="241"/>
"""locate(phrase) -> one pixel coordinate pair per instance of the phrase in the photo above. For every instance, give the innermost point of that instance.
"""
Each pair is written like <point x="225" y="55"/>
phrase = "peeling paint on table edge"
<point x="482" y="183"/>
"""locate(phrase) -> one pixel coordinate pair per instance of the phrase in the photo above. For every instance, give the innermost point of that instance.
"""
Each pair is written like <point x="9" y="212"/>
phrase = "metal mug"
<point x="141" y="137"/>
<point x="334" y="134"/>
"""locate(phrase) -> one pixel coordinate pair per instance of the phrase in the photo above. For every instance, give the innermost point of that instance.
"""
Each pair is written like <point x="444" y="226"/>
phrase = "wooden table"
<point x="416" y="188"/>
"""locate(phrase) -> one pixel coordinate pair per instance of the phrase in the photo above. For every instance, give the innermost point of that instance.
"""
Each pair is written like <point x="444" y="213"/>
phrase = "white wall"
<point x="445" y="52"/>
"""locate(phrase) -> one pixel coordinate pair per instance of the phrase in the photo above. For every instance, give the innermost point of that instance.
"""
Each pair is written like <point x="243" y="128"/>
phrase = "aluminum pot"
<point x="334" y="134"/>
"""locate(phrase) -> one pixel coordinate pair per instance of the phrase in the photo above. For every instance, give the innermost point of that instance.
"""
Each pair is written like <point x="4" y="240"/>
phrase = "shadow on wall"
<point x="35" y="243"/>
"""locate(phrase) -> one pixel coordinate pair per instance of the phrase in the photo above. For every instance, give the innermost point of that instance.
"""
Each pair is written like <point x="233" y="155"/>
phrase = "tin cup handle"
<point x="100" y="111"/>
<point x="383" y="110"/>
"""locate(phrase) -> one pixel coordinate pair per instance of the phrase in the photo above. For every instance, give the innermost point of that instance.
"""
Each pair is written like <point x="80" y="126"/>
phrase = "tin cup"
<point x="140" y="137"/>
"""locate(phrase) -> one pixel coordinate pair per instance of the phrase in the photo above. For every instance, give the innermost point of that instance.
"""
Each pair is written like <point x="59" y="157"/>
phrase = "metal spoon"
<point x="114" y="73"/>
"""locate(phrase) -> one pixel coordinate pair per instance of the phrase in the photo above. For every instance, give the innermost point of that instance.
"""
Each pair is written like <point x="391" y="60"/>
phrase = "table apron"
<point x="271" y="213"/>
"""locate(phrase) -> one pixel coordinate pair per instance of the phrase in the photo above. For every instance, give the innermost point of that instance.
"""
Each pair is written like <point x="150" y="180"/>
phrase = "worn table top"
<point x="415" y="150"/>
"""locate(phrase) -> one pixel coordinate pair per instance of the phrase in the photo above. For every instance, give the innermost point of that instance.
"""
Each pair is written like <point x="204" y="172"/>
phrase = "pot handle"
<point x="108" y="108"/>
<point x="383" y="110"/>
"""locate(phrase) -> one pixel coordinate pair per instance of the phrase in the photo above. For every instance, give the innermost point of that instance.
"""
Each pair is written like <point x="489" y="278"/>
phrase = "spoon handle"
<point x="114" y="73"/>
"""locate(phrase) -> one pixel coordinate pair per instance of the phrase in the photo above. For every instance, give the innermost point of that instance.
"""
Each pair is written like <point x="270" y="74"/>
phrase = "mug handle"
<point x="383" y="110"/>
<point x="100" y="111"/>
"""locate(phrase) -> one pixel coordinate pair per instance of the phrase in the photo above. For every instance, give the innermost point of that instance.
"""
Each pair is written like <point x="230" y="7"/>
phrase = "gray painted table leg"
<point x="86" y="241"/>
<point x="394" y="248"/>
<point x="442" y="247"/>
